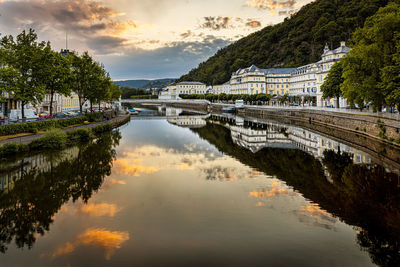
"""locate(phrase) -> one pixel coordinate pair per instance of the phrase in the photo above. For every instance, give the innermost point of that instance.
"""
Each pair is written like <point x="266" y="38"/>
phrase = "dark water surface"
<point x="196" y="191"/>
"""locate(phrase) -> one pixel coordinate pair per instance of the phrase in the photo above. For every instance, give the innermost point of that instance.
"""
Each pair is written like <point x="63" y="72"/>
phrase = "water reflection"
<point x="211" y="191"/>
<point x="33" y="189"/>
<point x="344" y="181"/>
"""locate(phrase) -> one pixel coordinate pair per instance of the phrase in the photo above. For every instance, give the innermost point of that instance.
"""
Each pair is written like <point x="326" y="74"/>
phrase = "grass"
<point x="2" y="138"/>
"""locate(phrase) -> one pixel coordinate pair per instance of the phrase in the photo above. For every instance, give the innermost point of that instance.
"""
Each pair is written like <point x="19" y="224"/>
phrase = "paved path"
<point x="29" y="138"/>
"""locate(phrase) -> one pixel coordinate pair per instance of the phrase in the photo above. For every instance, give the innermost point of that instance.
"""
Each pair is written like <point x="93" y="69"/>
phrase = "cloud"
<point x="253" y="24"/>
<point x="107" y="240"/>
<point x="90" y="22"/>
<point x="217" y="23"/>
<point x="170" y="60"/>
<point x="271" y="4"/>
<point x="99" y="209"/>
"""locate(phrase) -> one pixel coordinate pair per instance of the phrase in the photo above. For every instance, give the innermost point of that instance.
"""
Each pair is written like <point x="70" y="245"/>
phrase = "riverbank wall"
<point x="384" y="129"/>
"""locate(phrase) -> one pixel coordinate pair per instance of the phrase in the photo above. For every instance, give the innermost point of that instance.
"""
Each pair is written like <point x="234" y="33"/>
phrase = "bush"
<point x="54" y="139"/>
<point x="34" y="127"/>
<point x="11" y="149"/>
<point x="97" y="130"/>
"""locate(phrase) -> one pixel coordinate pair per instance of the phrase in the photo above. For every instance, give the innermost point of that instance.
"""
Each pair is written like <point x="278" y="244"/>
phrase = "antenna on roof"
<point x="66" y="39"/>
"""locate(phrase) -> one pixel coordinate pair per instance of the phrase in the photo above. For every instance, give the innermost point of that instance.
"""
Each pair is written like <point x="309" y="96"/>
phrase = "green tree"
<point x="371" y="69"/>
<point x="20" y="74"/>
<point x="81" y="72"/>
<point x="55" y="74"/>
<point x="332" y="83"/>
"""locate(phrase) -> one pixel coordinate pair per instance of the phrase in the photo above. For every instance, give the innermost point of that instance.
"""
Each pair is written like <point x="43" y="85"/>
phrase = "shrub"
<point x="12" y="149"/>
<point x="97" y="130"/>
<point x="34" y="127"/>
<point x="54" y="139"/>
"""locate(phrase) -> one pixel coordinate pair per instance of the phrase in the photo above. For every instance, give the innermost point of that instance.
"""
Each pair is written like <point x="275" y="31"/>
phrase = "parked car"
<point x="44" y="115"/>
<point x="61" y="115"/>
<point x="330" y="106"/>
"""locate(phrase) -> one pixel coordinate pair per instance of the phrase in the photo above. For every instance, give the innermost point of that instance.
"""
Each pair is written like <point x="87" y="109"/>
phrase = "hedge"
<point x="34" y="127"/>
<point x="55" y="139"/>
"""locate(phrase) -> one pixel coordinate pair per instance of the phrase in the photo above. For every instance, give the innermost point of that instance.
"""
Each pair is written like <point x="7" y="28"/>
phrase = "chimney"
<point x="343" y="43"/>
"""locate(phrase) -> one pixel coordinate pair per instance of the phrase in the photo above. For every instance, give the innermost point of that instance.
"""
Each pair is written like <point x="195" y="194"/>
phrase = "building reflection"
<point x="254" y="136"/>
<point x="343" y="181"/>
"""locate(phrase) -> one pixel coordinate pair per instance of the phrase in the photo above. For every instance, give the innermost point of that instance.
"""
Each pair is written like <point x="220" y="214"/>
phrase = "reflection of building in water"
<point x="189" y="122"/>
<point x="11" y="173"/>
<point x="257" y="139"/>
<point x="258" y="135"/>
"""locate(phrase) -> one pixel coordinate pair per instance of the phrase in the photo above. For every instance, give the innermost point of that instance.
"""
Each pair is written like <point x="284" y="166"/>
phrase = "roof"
<point x="278" y="70"/>
<point x="191" y="83"/>
<point x="252" y="68"/>
<point x="341" y="49"/>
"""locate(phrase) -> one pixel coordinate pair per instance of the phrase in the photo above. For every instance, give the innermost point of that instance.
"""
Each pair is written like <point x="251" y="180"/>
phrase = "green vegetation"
<point x="31" y="69"/>
<point x="128" y="92"/>
<point x="298" y="40"/>
<point x="55" y="139"/>
<point x="34" y="127"/>
<point x="371" y="71"/>
<point x="331" y="86"/>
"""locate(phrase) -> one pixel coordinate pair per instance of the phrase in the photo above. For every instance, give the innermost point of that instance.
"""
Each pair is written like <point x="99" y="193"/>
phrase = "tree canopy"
<point x="371" y="70"/>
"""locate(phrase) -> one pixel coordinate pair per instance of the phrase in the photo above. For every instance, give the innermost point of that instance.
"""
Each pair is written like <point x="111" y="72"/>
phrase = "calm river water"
<point x="201" y="191"/>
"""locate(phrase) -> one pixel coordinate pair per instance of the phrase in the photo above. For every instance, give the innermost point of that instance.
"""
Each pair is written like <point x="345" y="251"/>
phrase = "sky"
<point x="149" y="39"/>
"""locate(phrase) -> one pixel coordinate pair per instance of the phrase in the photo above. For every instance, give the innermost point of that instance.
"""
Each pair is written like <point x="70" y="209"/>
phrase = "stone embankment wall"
<point x="364" y="124"/>
<point x="383" y="129"/>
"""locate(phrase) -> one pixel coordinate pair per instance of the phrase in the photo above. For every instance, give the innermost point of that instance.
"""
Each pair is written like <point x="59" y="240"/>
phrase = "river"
<point x="199" y="190"/>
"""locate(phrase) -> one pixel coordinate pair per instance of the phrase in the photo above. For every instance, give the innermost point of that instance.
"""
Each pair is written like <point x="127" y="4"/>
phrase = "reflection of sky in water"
<point x="173" y="199"/>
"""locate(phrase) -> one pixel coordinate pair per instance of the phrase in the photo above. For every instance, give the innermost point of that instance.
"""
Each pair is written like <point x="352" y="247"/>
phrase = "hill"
<point x="297" y="41"/>
<point x="145" y="84"/>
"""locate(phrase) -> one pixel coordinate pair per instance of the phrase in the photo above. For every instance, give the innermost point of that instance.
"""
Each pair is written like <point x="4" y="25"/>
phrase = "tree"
<point x="115" y="91"/>
<point x="81" y="68"/>
<point x="332" y="83"/>
<point x="371" y="70"/>
<point x="55" y="74"/>
<point x="22" y="65"/>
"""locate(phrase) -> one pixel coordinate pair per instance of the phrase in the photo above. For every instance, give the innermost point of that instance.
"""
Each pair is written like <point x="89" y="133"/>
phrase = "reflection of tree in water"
<point x="28" y="209"/>
<point x="366" y="196"/>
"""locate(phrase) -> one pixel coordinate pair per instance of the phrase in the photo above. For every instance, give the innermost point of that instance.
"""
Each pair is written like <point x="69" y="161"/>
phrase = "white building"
<point x="306" y="81"/>
<point x="190" y="88"/>
<point x="223" y="88"/>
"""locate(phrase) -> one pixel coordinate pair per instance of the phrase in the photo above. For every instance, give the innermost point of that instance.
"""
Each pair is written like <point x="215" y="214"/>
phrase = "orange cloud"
<point x="133" y="167"/>
<point x="101" y="209"/>
<point x="107" y="240"/>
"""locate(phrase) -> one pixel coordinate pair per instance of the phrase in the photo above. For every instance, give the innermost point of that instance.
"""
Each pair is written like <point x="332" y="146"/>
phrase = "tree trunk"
<point x="91" y="106"/>
<point x="22" y="109"/>
<point x="80" y="103"/>
<point x="337" y="102"/>
<point x="51" y="104"/>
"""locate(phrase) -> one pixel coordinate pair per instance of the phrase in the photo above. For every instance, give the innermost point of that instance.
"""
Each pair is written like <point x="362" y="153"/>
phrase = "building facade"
<point x="306" y="81"/>
<point x="250" y="81"/>
<point x="190" y="88"/>
<point x="278" y="80"/>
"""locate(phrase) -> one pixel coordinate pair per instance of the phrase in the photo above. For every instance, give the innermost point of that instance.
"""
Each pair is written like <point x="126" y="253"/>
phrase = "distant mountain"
<point x="146" y="84"/>
<point x="297" y="41"/>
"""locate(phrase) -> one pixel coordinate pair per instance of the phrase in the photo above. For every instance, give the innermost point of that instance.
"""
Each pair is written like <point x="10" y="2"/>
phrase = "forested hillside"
<point x="297" y="41"/>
